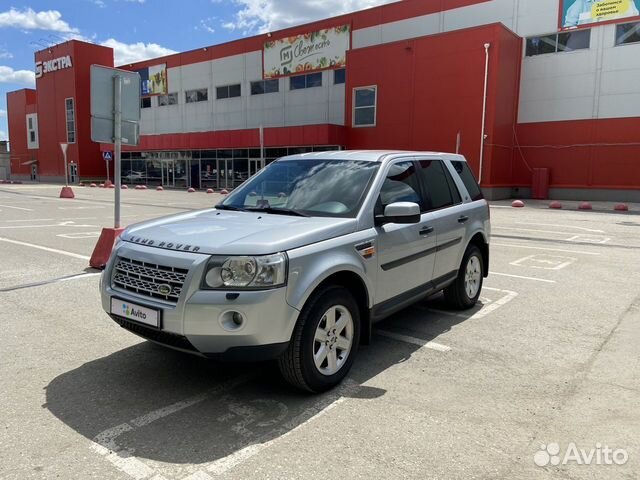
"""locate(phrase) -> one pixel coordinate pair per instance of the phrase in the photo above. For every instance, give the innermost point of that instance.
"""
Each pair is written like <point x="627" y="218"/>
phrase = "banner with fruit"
<point x="307" y="53"/>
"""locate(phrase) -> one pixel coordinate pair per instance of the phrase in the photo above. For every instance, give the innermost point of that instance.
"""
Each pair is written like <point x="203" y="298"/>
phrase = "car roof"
<point x="368" y="155"/>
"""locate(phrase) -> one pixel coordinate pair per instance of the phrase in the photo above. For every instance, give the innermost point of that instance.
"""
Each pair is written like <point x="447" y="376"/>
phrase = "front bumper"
<point x="196" y="323"/>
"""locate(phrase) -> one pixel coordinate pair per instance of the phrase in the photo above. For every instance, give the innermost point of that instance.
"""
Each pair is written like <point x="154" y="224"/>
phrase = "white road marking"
<point x="579" y="252"/>
<point x="46" y="249"/>
<point x="500" y="206"/>
<point x="413" y="340"/>
<point x="522" y="277"/>
<point x="564" y="226"/>
<point x="59" y="224"/>
<point x="597" y="239"/>
<point x="82" y="208"/>
<point x="554" y="232"/>
<point x="17" y="208"/>
<point x="509" y="295"/>
<point x="544" y="262"/>
<point x="105" y="443"/>
<point x="79" y="235"/>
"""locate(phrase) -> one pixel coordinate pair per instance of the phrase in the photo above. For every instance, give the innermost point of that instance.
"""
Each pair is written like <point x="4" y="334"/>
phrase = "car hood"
<point x="236" y="233"/>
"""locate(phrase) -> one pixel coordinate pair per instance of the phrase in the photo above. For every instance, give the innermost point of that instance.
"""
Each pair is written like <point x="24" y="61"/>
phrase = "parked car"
<point x="300" y="261"/>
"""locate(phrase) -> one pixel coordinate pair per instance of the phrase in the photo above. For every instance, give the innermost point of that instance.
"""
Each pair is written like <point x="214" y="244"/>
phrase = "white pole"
<point x="64" y="147"/>
<point x="458" y="141"/>
<point x="484" y="107"/>
<point x="117" y="130"/>
<point x="262" y="159"/>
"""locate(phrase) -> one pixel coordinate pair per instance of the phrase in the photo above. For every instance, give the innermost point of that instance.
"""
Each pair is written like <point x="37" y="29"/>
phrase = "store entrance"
<point x="175" y="173"/>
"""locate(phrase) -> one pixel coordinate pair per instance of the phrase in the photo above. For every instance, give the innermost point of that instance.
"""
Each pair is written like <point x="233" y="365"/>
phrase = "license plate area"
<point x="135" y="313"/>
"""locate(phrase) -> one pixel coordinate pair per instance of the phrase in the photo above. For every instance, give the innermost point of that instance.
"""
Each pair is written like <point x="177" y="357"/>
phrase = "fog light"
<point x="232" y="321"/>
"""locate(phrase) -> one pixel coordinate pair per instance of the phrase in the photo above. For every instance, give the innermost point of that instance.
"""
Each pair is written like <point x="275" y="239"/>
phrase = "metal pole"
<point x="484" y="108"/>
<point x="66" y="169"/>
<point x="117" y="130"/>
<point x="262" y="159"/>
<point x="107" y="162"/>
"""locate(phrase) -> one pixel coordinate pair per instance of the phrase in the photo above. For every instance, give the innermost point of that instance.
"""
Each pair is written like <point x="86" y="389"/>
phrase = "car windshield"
<point x="313" y="187"/>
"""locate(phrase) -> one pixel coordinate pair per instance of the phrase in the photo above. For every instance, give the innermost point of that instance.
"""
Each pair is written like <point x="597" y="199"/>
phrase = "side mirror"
<point x="400" y="212"/>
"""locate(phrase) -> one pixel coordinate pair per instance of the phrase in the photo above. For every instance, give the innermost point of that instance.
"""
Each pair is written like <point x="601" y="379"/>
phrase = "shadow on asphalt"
<point x="182" y="409"/>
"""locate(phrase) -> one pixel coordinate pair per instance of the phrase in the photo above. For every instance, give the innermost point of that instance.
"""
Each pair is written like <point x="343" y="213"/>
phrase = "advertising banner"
<point x="154" y="80"/>
<point x="306" y="53"/>
<point x="578" y="13"/>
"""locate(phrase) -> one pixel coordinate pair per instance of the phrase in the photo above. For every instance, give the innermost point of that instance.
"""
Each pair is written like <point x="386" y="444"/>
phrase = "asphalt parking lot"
<point x="549" y="357"/>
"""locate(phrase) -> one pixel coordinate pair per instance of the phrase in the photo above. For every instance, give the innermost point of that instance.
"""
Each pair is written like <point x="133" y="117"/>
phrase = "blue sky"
<point x="140" y="29"/>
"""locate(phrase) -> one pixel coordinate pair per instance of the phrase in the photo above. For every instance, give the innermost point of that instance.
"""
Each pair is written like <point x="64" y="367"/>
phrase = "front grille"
<point x="166" y="338"/>
<point x="147" y="279"/>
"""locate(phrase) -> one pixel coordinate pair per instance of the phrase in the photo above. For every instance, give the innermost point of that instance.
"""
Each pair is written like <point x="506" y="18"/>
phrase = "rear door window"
<point x="468" y="179"/>
<point x="438" y="185"/>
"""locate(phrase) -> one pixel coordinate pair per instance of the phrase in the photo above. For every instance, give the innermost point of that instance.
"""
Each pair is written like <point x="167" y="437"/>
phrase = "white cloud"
<point x="99" y="3"/>
<point x="267" y="15"/>
<point x="5" y="54"/>
<point x="29" y="19"/>
<point x="21" y="77"/>
<point x="125" y="53"/>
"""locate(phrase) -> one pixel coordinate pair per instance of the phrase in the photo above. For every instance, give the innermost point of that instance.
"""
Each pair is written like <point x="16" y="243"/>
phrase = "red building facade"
<point x="419" y="64"/>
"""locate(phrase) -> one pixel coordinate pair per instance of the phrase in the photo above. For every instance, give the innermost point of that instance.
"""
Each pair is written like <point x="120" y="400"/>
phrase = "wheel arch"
<point x="478" y="239"/>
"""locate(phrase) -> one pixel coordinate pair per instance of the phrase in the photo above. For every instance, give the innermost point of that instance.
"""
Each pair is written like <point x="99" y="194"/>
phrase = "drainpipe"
<point x="484" y="107"/>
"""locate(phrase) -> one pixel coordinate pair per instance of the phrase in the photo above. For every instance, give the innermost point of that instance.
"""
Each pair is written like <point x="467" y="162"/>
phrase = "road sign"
<point x="64" y="147"/>
<point x="108" y="156"/>
<point x="103" y="102"/>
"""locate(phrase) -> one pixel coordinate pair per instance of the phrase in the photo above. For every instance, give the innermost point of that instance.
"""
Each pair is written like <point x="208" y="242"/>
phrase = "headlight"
<point x="267" y="271"/>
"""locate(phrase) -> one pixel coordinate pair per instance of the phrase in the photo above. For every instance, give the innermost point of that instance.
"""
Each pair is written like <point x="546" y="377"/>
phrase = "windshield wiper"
<point x="230" y="207"/>
<point x="279" y="211"/>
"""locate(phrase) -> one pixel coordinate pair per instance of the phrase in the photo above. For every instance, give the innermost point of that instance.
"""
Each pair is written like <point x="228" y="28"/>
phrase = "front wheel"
<point x="465" y="291"/>
<point x="324" y="342"/>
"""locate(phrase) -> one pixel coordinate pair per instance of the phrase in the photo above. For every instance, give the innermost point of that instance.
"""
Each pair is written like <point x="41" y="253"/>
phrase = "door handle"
<point x="426" y="231"/>
<point x="462" y="219"/>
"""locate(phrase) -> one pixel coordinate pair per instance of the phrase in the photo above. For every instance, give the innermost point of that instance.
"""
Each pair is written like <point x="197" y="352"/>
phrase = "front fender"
<point x="311" y="265"/>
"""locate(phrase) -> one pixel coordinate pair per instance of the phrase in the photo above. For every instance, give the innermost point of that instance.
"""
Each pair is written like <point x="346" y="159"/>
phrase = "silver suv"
<point x="300" y="260"/>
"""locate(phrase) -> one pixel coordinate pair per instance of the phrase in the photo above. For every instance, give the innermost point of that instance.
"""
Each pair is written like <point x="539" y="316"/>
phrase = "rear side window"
<point x="468" y="179"/>
<point x="401" y="185"/>
<point x="438" y="185"/>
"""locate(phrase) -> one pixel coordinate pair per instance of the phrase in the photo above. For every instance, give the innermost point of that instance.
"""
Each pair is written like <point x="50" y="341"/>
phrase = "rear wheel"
<point x="324" y="342"/>
<point x="465" y="291"/>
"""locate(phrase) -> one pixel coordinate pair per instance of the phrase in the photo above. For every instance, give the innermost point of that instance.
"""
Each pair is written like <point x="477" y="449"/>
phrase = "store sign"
<point x="53" y="65"/>
<point x="308" y="52"/>
<point x="579" y="13"/>
<point x="153" y="80"/>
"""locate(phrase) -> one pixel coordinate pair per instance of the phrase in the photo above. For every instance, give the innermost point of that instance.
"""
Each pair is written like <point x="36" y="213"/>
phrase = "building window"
<point x="628" y="33"/>
<point x="558" y="42"/>
<point x="309" y="80"/>
<point x="339" y="76"/>
<point x="265" y="86"/>
<point x="198" y="95"/>
<point x="71" y="120"/>
<point x="145" y="102"/>
<point x="364" y="106"/>
<point x="169" y="99"/>
<point x="228" y="91"/>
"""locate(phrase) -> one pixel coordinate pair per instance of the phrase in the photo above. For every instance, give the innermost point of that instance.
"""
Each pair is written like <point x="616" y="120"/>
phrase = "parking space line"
<point x="413" y="340"/>
<point x="17" y="208"/>
<point x="46" y="249"/>
<point x="564" y="226"/>
<point x="49" y="282"/>
<point x="555" y="232"/>
<point x="105" y="442"/>
<point x="580" y="252"/>
<point x="486" y="310"/>
<point x="544" y="280"/>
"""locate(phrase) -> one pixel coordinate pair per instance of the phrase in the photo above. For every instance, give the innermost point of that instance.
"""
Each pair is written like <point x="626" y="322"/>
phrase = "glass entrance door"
<point x="168" y="173"/>
<point x="254" y="166"/>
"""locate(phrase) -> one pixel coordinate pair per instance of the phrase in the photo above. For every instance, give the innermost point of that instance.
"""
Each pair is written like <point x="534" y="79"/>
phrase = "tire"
<point x="298" y="365"/>
<point x="458" y="294"/>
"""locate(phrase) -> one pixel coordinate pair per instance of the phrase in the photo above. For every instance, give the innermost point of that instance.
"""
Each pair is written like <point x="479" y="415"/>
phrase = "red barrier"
<point x="67" y="192"/>
<point x="111" y="186"/>
<point x="191" y="190"/>
<point x="159" y="189"/>
<point x="224" y="191"/>
<point x="585" y="206"/>
<point x="138" y="187"/>
<point x="555" y="205"/>
<point x="209" y="190"/>
<point x="621" y="207"/>
<point x="102" y="250"/>
<point x="517" y="204"/>
<point x="93" y="185"/>
<point x="125" y="187"/>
